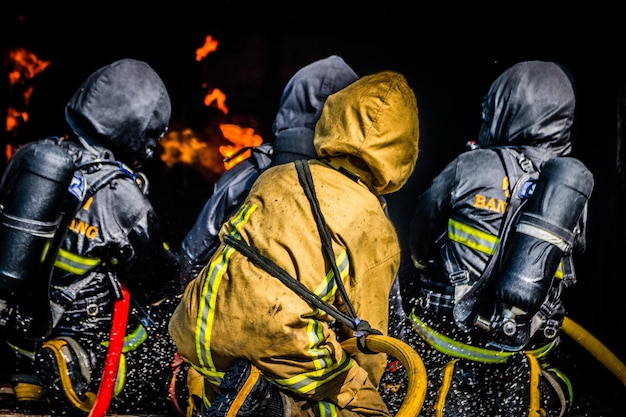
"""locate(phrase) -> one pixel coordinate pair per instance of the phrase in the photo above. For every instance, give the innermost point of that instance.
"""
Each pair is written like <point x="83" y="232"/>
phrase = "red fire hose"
<point x="112" y="363"/>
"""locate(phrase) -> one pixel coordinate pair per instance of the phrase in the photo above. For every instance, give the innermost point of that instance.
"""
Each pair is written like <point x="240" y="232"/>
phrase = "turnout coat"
<point x="367" y="142"/>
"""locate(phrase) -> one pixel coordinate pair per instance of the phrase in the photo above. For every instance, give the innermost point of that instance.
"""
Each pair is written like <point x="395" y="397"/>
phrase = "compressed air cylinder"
<point x="33" y="189"/>
<point x="543" y="233"/>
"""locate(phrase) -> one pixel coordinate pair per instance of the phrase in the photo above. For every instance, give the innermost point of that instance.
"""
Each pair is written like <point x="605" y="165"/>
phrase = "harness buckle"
<point x="429" y="298"/>
<point x="459" y="277"/>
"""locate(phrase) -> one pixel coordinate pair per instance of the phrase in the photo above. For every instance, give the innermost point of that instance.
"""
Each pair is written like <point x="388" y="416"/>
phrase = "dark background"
<point x="450" y="55"/>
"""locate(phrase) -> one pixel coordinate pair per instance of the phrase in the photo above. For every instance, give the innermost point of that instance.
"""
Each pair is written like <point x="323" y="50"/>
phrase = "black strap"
<point x="270" y="266"/>
<point x="360" y="327"/>
<point x="306" y="180"/>
<point x="464" y="307"/>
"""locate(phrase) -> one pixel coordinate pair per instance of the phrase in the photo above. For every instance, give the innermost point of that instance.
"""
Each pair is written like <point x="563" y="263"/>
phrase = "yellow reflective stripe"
<point x="559" y="271"/>
<point x="75" y="264"/>
<point x="29" y="354"/>
<point x="326" y="409"/>
<point x="308" y="381"/>
<point x="206" y="309"/>
<point x="472" y="237"/>
<point x="479" y="240"/>
<point x="457" y="349"/>
<point x="323" y="357"/>
<point x="132" y="340"/>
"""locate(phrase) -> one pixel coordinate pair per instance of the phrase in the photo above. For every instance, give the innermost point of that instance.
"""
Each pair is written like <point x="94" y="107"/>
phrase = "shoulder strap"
<point x="464" y="307"/>
<point x="360" y="327"/>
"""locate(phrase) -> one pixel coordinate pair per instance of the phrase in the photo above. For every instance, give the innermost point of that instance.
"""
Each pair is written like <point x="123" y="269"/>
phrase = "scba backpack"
<point x="34" y="208"/>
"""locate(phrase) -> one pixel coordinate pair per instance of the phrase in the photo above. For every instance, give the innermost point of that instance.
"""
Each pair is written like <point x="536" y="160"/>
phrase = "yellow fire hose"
<point x="416" y="371"/>
<point x="596" y="348"/>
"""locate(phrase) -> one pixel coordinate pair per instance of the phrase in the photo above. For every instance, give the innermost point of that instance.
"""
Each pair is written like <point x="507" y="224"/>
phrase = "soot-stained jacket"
<point x="367" y="142"/>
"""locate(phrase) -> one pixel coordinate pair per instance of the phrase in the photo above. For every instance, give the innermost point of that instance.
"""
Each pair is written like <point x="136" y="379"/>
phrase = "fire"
<point x="219" y="98"/>
<point x="26" y="66"/>
<point x="243" y="139"/>
<point x="210" y="45"/>
<point x="210" y="156"/>
<point x="186" y="147"/>
<point x="22" y="65"/>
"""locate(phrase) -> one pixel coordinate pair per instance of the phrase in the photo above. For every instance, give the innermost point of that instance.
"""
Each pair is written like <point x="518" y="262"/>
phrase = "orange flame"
<point x="185" y="147"/>
<point x="241" y="137"/>
<point x="210" y="156"/>
<point x="26" y="65"/>
<point x="210" y="45"/>
<point x="219" y="98"/>
<point x="23" y="65"/>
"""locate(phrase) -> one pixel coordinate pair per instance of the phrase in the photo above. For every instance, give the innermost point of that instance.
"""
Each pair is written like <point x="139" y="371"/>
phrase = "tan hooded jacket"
<point x="367" y="139"/>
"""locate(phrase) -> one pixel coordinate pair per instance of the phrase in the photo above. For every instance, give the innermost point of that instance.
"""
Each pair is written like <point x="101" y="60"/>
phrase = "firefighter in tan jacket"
<point x="261" y="348"/>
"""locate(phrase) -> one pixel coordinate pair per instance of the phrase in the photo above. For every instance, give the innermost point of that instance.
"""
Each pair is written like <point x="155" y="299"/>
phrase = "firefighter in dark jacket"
<point x="492" y="240"/>
<point x="111" y="243"/>
<point x="294" y="125"/>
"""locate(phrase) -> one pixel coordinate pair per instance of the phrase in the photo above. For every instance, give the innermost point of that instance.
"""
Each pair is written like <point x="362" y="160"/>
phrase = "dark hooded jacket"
<point x="299" y="109"/>
<point x="528" y="117"/>
<point x="108" y="236"/>
<point x="118" y="116"/>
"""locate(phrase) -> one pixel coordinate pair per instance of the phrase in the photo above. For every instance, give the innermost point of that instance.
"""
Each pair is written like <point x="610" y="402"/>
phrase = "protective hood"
<point x="532" y="103"/>
<point x="370" y="130"/>
<point x="123" y="106"/>
<point x="301" y="105"/>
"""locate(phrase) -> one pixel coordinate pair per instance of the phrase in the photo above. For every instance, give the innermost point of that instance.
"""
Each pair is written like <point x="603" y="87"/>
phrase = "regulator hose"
<point x="596" y="348"/>
<point x="416" y="371"/>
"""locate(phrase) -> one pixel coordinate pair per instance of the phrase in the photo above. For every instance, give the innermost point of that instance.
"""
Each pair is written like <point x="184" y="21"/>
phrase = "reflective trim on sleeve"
<point x="326" y="409"/>
<point x="479" y="240"/>
<point x="75" y="264"/>
<point x="132" y="340"/>
<point x="472" y="237"/>
<point x="206" y="309"/>
<point x="309" y="381"/>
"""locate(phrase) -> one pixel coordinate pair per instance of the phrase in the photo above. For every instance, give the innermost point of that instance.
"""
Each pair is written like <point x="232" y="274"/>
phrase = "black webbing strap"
<point x="304" y="174"/>
<point x="360" y="327"/>
<point x="464" y="307"/>
<point x="105" y="179"/>
<point x="270" y="266"/>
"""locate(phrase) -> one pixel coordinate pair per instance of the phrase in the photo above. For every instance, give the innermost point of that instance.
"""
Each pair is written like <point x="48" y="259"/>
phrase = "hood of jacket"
<point x="370" y="130"/>
<point x="301" y="105"/>
<point x="531" y="103"/>
<point x="123" y="106"/>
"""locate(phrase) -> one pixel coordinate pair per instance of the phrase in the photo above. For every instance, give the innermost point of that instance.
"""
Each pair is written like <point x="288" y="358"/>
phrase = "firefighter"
<point x="293" y="127"/>
<point x="493" y="240"/>
<point x="262" y="349"/>
<point x="110" y="246"/>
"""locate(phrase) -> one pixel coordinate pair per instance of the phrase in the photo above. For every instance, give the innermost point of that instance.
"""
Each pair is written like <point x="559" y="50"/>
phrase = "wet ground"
<point x="598" y="393"/>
